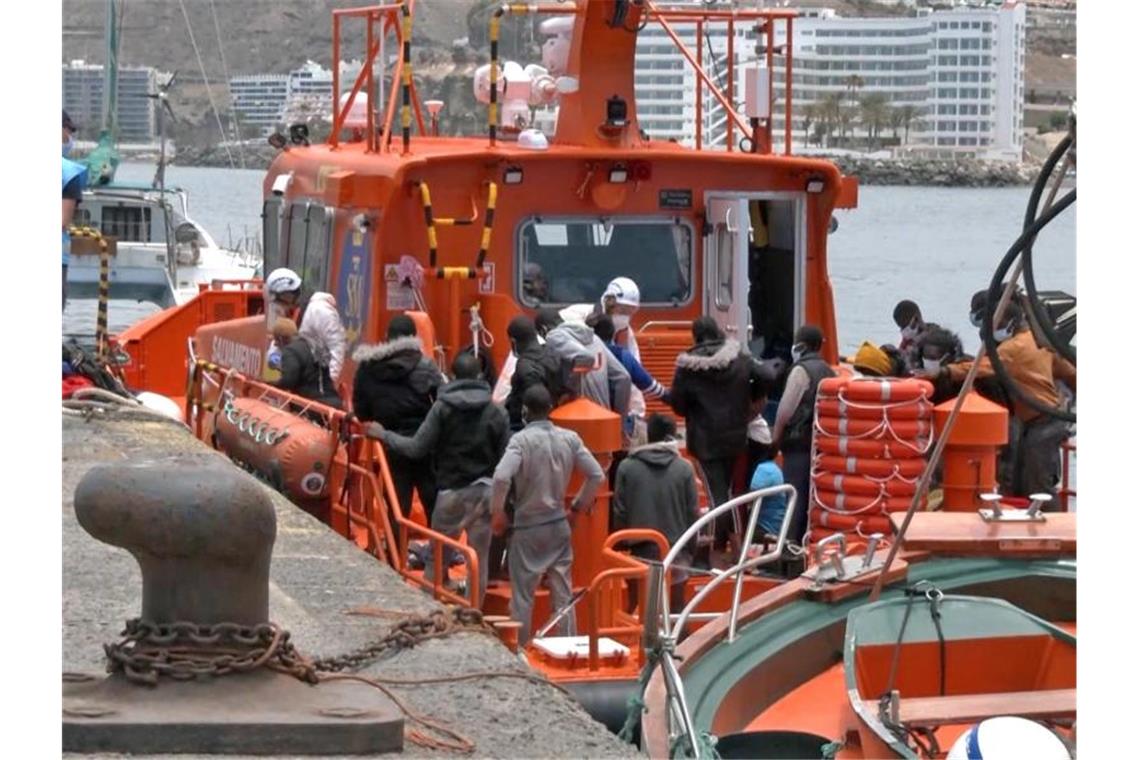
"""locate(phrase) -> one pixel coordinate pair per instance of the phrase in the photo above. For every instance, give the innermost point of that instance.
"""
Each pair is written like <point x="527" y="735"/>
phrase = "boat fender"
<point x="1008" y="736"/>
<point x="162" y="404"/>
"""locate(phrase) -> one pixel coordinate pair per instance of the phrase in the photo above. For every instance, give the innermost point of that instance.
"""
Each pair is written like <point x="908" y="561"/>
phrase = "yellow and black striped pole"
<point x="488" y="220"/>
<point x="406" y="107"/>
<point x="425" y="195"/>
<point x="101" y="334"/>
<point x="493" y="106"/>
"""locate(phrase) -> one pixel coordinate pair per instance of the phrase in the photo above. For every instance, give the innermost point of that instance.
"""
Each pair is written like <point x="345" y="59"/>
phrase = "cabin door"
<point x="726" y="265"/>
<point x="754" y="265"/>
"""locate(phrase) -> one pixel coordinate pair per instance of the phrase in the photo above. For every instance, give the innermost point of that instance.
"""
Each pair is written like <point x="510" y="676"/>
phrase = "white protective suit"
<point x="321" y="323"/>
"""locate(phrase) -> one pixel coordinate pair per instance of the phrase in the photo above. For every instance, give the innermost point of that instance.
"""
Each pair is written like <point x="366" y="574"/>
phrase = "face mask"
<point x="1002" y="333"/>
<point x="909" y="332"/>
<point x="68" y="146"/>
<point x="797" y="352"/>
<point x="621" y="321"/>
<point x="931" y="365"/>
<point x="976" y="318"/>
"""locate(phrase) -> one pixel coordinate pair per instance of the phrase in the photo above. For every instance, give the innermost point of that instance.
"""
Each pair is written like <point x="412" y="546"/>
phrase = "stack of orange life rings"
<point x="871" y="438"/>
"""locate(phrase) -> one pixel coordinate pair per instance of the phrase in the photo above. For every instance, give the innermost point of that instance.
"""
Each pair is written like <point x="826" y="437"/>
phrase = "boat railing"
<point x="744" y="564"/>
<point x="363" y="506"/>
<point x="760" y="135"/>
<point x="662" y="636"/>
<point x="392" y="17"/>
<point x="398" y="531"/>
<point x="619" y="568"/>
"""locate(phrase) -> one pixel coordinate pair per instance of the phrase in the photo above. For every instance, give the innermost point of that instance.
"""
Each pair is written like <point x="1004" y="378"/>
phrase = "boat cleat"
<point x="995" y="514"/>
<point x="836" y="567"/>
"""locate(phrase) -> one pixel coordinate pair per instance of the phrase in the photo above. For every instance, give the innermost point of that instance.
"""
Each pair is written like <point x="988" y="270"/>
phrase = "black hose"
<point x="994" y="295"/>
<point x="1056" y="342"/>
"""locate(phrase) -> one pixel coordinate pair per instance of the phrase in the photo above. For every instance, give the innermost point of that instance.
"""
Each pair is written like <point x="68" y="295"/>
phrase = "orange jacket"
<point x="1034" y="369"/>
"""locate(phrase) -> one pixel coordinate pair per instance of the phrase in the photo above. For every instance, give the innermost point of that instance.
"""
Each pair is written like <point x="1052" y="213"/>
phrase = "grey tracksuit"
<point x="609" y="385"/>
<point x="539" y="461"/>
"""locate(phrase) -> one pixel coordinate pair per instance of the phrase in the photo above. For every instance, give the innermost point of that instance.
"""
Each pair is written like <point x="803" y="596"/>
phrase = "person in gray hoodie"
<point x="656" y="488"/>
<point x="606" y="382"/>
<point x="468" y="435"/>
<point x="538" y="462"/>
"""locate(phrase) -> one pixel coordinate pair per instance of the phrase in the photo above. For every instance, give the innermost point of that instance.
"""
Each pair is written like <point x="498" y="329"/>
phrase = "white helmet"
<point x="624" y="291"/>
<point x="282" y="280"/>
<point x="1008" y="737"/>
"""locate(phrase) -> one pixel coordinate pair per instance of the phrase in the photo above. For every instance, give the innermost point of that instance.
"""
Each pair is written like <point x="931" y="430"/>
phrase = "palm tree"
<point x="810" y="114"/>
<point x="873" y="112"/>
<point x="830" y="110"/>
<point x="895" y="119"/>
<point x="909" y="114"/>
<point x="854" y="83"/>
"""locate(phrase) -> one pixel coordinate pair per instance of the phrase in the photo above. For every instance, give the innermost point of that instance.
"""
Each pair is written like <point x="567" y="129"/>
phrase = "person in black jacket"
<point x="396" y="386"/>
<point x="713" y="388"/>
<point x="534" y="365"/>
<point x="301" y="373"/>
<point x="795" y="420"/>
<point x="468" y="434"/>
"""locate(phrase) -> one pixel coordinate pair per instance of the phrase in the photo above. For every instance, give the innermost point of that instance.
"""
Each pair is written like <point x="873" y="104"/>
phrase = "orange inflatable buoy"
<point x="846" y="446"/>
<point x="855" y="523"/>
<point x="836" y="407"/>
<point x="851" y="503"/>
<point x="853" y="484"/>
<point x="290" y="452"/>
<point x="881" y="389"/>
<point x="875" y="429"/>
<point x="875" y="468"/>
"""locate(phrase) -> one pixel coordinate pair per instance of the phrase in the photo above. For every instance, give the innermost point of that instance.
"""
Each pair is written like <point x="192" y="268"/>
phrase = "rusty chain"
<point x="185" y="651"/>
<point x="406" y="634"/>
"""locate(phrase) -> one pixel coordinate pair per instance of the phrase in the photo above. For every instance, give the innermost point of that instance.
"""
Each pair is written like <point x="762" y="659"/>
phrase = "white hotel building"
<point x="963" y="71"/>
<point x="263" y="100"/>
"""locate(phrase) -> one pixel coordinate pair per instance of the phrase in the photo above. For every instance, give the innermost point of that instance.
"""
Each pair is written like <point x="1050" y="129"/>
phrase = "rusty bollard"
<point x="203" y="537"/>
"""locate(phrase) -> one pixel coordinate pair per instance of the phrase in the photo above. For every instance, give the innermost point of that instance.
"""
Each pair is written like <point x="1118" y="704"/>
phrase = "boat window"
<point x="314" y="270"/>
<point x="271" y="234"/>
<point x="307" y="251"/>
<point x="127" y="223"/>
<point x="571" y="261"/>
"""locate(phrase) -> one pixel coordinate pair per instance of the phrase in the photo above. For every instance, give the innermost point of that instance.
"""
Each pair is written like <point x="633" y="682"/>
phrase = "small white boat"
<point x="158" y="252"/>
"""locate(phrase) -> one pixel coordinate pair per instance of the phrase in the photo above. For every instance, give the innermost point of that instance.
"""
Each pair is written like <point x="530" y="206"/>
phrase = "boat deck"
<point x="317" y="581"/>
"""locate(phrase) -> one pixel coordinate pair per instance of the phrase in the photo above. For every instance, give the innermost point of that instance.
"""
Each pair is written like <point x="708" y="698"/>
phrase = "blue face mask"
<point x="68" y="146"/>
<point x="1003" y="333"/>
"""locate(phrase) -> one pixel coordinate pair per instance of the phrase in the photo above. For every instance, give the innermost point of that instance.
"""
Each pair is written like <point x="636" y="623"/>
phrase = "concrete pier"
<point x="318" y="580"/>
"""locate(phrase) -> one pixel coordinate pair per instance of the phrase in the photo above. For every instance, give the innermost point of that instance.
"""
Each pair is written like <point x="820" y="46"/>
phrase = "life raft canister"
<point x="870" y="439"/>
<point x="290" y="452"/>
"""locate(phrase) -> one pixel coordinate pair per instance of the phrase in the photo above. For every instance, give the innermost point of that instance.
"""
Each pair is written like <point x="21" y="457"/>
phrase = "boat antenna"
<point x="206" y="81"/>
<point x="163" y="110"/>
<point x="226" y="75"/>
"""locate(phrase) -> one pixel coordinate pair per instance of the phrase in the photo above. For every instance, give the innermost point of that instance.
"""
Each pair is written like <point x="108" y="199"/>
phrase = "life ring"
<point x="908" y="430"/>
<point x="876" y="388"/>
<point x="856" y="485"/>
<point x="855" y="503"/>
<point x="833" y="406"/>
<point x="853" y="523"/>
<point x="845" y="446"/>
<point x="874" y="468"/>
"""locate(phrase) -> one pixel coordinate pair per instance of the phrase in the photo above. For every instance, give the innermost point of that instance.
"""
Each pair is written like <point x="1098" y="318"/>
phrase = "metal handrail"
<point x="736" y="571"/>
<point x="678" y="707"/>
